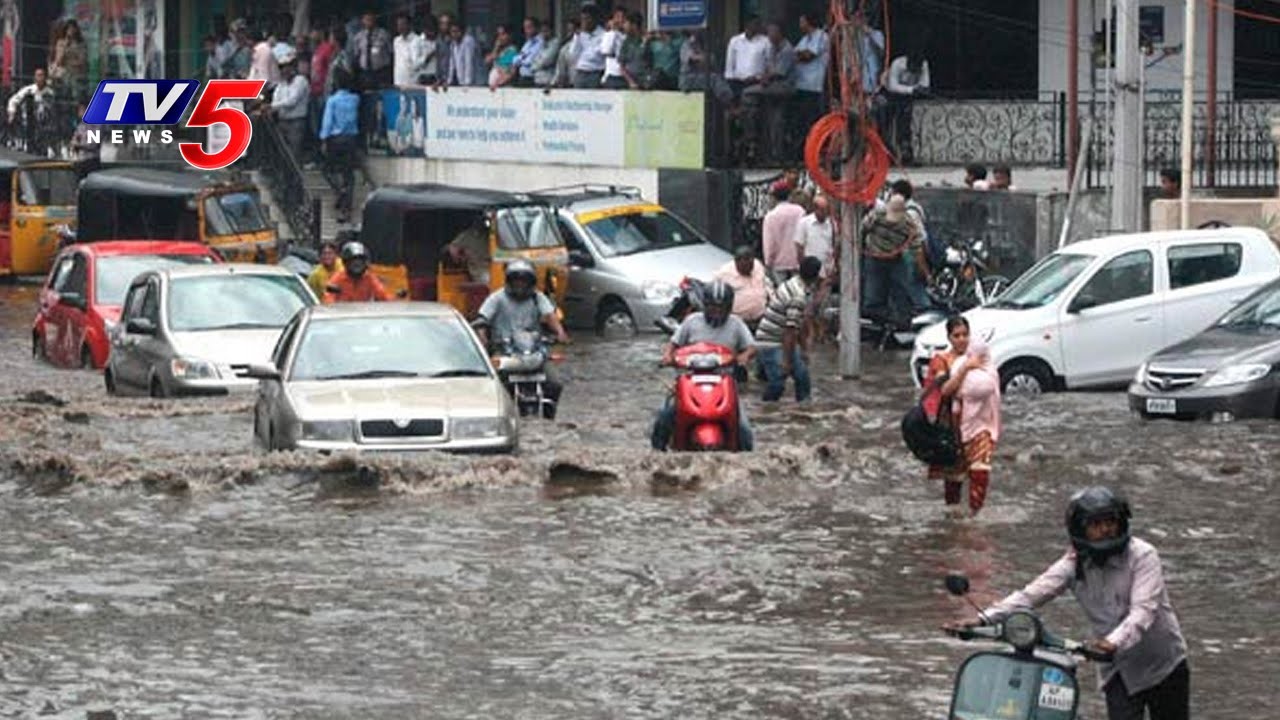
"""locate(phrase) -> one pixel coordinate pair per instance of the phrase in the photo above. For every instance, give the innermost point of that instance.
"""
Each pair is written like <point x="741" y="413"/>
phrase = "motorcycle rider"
<point x="520" y="307"/>
<point x="353" y="283"/>
<point x="1119" y="582"/>
<point x="715" y="324"/>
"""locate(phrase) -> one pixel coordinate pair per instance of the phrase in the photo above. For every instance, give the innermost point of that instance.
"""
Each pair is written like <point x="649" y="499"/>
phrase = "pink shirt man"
<point x="778" y="237"/>
<point x="750" y="291"/>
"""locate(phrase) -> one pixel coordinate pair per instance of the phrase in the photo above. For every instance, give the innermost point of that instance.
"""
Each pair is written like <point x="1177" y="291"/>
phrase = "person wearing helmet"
<point x="1118" y="580"/>
<point x="520" y="307"/>
<point x="289" y="102"/>
<point x="718" y="325"/>
<point x="354" y="283"/>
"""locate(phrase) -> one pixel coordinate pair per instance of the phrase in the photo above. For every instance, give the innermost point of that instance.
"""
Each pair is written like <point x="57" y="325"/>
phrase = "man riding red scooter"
<point x="705" y="412"/>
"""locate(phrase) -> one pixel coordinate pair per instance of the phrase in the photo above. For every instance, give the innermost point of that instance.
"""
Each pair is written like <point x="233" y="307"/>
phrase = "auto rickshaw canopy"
<point x="435" y="212"/>
<point x="146" y="203"/>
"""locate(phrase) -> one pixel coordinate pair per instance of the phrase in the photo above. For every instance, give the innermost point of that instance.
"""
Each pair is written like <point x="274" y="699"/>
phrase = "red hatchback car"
<point x="82" y="296"/>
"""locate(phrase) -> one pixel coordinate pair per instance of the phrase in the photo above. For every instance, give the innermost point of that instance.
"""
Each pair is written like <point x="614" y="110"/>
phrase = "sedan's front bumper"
<point x="1257" y="399"/>
<point x="647" y="312"/>
<point x="486" y="445"/>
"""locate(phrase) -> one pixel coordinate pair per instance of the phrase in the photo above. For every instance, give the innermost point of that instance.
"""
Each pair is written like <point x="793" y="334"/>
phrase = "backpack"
<point x="932" y="442"/>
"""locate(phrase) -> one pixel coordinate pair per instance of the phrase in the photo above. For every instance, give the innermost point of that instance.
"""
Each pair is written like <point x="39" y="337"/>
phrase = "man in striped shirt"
<point x="783" y="338"/>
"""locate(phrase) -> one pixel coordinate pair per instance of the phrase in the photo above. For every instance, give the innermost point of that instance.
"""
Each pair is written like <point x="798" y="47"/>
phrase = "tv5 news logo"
<point x="162" y="102"/>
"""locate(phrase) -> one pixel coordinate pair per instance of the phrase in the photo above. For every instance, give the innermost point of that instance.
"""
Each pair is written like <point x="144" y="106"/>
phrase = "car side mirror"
<point x="72" y="299"/>
<point x="957" y="584"/>
<point x="581" y="258"/>
<point x="1082" y="302"/>
<point x="140" y="326"/>
<point x="258" y="371"/>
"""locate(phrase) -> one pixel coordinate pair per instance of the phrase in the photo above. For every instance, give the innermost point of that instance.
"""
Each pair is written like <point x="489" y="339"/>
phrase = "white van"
<point x="1091" y="313"/>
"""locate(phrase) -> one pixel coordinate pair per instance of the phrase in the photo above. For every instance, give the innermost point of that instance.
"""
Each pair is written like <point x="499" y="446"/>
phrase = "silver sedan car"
<point x="195" y="330"/>
<point x="381" y="376"/>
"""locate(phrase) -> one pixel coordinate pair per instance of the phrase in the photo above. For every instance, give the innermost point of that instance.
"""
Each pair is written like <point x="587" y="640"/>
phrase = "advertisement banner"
<point x="665" y="15"/>
<point x="566" y="127"/>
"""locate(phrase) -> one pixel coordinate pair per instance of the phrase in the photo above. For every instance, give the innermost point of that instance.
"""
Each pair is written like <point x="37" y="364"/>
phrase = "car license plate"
<point x="1162" y="406"/>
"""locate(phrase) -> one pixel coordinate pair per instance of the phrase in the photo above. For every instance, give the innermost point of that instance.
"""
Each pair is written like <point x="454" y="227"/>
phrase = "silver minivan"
<point x="627" y="257"/>
<point x="195" y="330"/>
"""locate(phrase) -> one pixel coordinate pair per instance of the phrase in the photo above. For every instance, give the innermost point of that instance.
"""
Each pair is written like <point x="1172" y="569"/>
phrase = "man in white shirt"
<point x="463" y="56"/>
<point x="907" y="79"/>
<point x="410" y="51"/>
<point x="289" y="104"/>
<point x="815" y="235"/>
<point x="813" y="52"/>
<point x="611" y="46"/>
<point x="40" y="93"/>
<point x="588" y="48"/>
<point x="747" y="58"/>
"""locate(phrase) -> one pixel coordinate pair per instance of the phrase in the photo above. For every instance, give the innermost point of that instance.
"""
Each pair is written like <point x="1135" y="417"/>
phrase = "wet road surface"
<point x="153" y="563"/>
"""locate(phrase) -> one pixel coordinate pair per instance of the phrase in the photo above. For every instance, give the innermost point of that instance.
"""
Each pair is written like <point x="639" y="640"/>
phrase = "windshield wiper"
<point x="1011" y="305"/>
<point x="459" y="372"/>
<point x="242" y="326"/>
<point x="368" y="374"/>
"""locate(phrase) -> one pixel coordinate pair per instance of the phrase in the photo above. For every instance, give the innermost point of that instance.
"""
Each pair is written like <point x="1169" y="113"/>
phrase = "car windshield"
<point x="389" y="346"/>
<point x="637" y="232"/>
<point x="232" y="213"/>
<point x="1043" y="283"/>
<point x="1261" y="310"/>
<point x="112" y="274"/>
<point x="235" y="302"/>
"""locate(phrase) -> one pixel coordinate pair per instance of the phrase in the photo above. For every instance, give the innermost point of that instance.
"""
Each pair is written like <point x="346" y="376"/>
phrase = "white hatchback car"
<point x="1091" y="313"/>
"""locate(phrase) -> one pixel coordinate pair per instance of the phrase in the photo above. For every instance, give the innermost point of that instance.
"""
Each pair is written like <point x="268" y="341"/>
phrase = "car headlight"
<point x="326" y="430"/>
<point x="1141" y="376"/>
<point x="659" y="290"/>
<point x="480" y="428"/>
<point x="1236" y="374"/>
<point x="110" y="327"/>
<point x="188" y="369"/>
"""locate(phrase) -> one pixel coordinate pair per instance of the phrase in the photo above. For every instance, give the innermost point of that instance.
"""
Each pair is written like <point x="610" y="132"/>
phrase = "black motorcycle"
<point x="1035" y="679"/>
<point x="964" y="281"/>
<point x="521" y="361"/>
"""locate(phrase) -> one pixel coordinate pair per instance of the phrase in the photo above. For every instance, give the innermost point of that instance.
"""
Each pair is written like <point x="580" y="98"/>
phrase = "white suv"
<point x="1091" y="313"/>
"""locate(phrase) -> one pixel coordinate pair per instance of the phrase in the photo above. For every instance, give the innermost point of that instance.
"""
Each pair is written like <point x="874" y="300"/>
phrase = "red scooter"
<point x="706" y="399"/>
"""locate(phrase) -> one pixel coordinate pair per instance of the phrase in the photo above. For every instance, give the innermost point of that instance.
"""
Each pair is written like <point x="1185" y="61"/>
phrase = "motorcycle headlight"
<point x="1022" y="630"/>
<point x="1236" y="374"/>
<point x="659" y="290"/>
<point x="326" y="430"/>
<point x="954" y="256"/>
<point x="189" y="369"/>
<point x="480" y="428"/>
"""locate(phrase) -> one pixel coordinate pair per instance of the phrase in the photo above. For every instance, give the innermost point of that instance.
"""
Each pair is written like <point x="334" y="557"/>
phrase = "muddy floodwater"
<point x="152" y="563"/>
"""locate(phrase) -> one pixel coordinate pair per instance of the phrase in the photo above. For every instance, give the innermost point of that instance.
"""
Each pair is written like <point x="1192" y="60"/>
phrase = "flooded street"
<point x="153" y="563"/>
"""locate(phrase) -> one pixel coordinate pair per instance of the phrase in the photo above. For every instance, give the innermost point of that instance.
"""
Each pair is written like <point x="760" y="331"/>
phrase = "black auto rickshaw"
<point x="37" y="209"/>
<point x="410" y="229"/>
<point x="145" y="203"/>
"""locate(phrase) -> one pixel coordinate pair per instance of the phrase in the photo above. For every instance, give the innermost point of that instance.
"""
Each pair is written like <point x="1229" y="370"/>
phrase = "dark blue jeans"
<point x="665" y="424"/>
<point x="883" y="279"/>
<point x="771" y="362"/>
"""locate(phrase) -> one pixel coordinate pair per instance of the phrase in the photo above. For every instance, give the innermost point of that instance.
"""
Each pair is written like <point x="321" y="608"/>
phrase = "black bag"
<point x="932" y="443"/>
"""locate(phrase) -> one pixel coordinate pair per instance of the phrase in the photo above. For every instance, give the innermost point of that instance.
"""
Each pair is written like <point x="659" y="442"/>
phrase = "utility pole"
<point x="1188" y="108"/>
<point x="850" y="240"/>
<point x="1073" y="86"/>
<point x="1126" y="180"/>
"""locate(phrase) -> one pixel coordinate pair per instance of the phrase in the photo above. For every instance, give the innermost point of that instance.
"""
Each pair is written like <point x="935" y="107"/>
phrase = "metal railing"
<point x="271" y="156"/>
<point x="1242" y="153"/>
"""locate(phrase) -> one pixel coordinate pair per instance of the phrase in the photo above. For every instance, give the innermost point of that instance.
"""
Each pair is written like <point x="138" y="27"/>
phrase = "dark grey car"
<point x="1231" y="370"/>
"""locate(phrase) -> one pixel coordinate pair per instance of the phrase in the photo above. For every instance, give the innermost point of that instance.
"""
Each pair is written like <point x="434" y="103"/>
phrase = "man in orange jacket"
<point x="354" y="283"/>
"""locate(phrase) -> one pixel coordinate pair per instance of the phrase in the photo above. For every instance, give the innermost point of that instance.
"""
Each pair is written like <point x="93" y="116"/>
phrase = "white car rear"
<point x="1091" y="313"/>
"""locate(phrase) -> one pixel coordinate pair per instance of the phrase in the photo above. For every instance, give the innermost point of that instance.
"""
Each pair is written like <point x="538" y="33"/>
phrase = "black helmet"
<point x="1094" y="503"/>
<point x="521" y="270"/>
<point x="355" y="258"/>
<point x="717" y="303"/>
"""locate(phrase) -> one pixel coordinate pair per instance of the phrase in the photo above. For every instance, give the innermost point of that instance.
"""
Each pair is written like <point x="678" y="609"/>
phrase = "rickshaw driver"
<point x="471" y="248"/>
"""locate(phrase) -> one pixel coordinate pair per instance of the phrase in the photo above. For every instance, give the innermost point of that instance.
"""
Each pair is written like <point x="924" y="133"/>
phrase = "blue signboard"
<point x="678" y="14"/>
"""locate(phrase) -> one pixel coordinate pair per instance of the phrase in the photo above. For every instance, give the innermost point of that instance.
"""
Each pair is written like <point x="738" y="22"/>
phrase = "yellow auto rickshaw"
<point x="37" y="209"/>
<point x="427" y="239"/>
<point x="143" y="203"/>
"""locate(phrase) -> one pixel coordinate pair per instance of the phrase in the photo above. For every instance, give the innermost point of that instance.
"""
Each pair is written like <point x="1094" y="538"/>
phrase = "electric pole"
<point x="1126" y="197"/>
<point x="1188" y="108"/>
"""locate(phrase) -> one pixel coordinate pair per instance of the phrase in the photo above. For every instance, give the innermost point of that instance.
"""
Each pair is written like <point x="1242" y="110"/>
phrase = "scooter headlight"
<point x="1022" y="630"/>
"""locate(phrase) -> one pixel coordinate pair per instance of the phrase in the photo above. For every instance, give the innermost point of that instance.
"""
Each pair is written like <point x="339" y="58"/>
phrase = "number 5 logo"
<point x="208" y="113"/>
